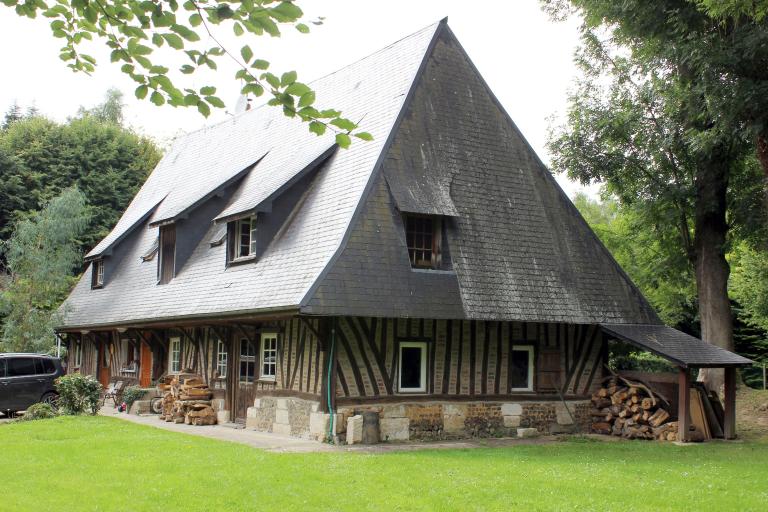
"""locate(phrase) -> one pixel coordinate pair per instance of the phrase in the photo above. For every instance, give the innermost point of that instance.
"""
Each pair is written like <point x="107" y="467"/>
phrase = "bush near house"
<point x="78" y="394"/>
<point x="39" y="412"/>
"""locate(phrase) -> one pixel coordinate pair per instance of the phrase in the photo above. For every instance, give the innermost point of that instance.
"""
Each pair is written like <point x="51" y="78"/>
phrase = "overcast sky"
<point x="525" y="58"/>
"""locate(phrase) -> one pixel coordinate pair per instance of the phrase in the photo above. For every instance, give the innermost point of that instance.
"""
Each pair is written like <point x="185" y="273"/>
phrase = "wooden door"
<point x="145" y="365"/>
<point x="245" y="377"/>
<point x="103" y="364"/>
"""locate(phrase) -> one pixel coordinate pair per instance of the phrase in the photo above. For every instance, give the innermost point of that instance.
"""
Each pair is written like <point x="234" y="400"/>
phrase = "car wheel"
<point x="51" y="399"/>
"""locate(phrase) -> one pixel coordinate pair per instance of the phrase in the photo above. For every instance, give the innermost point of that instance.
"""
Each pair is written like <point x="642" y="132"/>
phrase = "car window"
<point x="2" y="367"/>
<point x="48" y="366"/>
<point x="20" y="366"/>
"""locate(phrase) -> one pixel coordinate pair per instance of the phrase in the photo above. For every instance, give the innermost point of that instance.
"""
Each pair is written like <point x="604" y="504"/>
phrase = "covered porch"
<point x="687" y="353"/>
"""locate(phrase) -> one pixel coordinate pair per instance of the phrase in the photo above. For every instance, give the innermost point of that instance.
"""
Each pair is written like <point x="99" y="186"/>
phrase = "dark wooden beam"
<point x="729" y="418"/>
<point x="684" y="405"/>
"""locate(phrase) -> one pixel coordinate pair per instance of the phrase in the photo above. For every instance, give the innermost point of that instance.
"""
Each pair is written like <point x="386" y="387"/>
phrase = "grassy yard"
<point x="107" y="464"/>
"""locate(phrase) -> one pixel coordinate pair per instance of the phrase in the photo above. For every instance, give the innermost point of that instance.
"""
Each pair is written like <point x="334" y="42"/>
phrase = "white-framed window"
<point x="247" y="360"/>
<point x="221" y="359"/>
<point x="412" y="367"/>
<point x="268" y="356"/>
<point x="77" y="354"/>
<point x="521" y="368"/>
<point x="245" y="237"/>
<point x="174" y="355"/>
<point x="97" y="279"/>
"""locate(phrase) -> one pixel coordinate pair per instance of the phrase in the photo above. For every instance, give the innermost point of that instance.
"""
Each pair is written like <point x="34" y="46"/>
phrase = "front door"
<point x="145" y="365"/>
<point x="246" y="378"/>
<point x="103" y="364"/>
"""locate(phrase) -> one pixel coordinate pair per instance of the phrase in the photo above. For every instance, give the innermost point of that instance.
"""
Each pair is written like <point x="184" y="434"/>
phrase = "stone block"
<point x="222" y="417"/>
<point x="218" y="404"/>
<point x="252" y="412"/>
<point x="315" y="406"/>
<point x="454" y="410"/>
<point x="140" y="407"/>
<point x="453" y="424"/>
<point x="282" y="416"/>
<point x="511" y="409"/>
<point x="282" y="429"/>
<point x="318" y="425"/>
<point x="393" y="411"/>
<point x="563" y="417"/>
<point x="511" y="421"/>
<point x="394" y="429"/>
<point x="355" y="430"/>
<point x="282" y="403"/>
<point x="527" y="432"/>
<point x="257" y="402"/>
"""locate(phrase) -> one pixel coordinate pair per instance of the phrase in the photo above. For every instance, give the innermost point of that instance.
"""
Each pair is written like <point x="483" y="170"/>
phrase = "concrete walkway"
<point x="277" y="443"/>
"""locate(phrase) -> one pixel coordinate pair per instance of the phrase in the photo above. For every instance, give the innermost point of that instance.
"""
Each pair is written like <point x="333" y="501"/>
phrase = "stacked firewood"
<point x="187" y="399"/>
<point x="630" y="409"/>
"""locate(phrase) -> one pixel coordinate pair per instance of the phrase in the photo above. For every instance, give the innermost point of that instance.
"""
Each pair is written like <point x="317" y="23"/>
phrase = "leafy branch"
<point x="134" y="29"/>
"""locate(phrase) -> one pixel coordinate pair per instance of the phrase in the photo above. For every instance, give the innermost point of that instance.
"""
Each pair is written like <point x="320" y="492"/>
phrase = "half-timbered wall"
<point x="300" y="357"/>
<point x="465" y="358"/>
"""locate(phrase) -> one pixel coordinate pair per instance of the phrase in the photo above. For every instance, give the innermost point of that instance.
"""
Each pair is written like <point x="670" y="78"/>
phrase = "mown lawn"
<point x="108" y="464"/>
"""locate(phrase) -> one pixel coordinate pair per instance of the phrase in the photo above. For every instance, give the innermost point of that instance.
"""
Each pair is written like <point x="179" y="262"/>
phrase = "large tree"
<point x="39" y="158"/>
<point x="41" y="255"/>
<point x="641" y="122"/>
<point x="134" y="29"/>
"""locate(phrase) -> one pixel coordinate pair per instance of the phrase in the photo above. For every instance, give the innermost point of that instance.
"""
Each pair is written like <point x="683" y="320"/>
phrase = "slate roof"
<point x="680" y="348"/>
<point x="518" y="248"/>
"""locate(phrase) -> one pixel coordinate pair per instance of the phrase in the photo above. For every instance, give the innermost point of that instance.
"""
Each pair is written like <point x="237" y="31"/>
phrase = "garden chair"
<point x="114" y="392"/>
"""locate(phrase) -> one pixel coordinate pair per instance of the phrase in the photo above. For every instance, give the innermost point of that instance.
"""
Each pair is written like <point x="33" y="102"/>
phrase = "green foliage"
<point x="41" y="256"/>
<point x="727" y="10"/>
<point x="749" y="283"/>
<point x="78" y="394"/>
<point x="132" y="394"/>
<point x="40" y="158"/>
<point x="624" y="358"/>
<point x="39" y="411"/>
<point x="135" y="29"/>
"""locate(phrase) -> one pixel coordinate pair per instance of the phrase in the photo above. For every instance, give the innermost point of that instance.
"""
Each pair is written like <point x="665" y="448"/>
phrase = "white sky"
<point x="525" y="58"/>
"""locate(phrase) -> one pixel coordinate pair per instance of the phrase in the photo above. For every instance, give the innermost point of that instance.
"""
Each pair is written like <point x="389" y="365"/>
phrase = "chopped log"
<point x="657" y="418"/>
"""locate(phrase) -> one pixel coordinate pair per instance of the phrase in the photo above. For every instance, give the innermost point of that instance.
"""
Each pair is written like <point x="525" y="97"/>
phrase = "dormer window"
<point x="423" y="236"/>
<point x="246" y="241"/>
<point x="166" y="263"/>
<point x="97" y="273"/>
<point x="242" y="239"/>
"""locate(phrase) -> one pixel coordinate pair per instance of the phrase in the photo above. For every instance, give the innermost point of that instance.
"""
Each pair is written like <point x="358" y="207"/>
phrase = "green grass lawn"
<point x="96" y="463"/>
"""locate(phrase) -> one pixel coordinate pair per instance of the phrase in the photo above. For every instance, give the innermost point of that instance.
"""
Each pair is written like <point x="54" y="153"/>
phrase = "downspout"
<point x="328" y="386"/>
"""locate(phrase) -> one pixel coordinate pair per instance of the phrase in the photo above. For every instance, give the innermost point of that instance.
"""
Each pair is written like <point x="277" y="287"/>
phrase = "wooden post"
<point x="684" y="405"/>
<point x="729" y="419"/>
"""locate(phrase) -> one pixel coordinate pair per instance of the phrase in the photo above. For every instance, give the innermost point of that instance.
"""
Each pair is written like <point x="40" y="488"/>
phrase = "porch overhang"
<point x="686" y="352"/>
<point x="679" y="348"/>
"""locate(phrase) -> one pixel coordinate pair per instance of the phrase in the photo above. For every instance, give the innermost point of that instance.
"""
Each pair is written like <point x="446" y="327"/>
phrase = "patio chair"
<point x="114" y="392"/>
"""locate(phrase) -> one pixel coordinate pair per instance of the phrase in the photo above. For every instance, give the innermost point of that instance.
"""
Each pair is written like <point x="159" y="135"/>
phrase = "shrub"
<point x="131" y="394"/>
<point x="78" y="394"/>
<point x="39" y="412"/>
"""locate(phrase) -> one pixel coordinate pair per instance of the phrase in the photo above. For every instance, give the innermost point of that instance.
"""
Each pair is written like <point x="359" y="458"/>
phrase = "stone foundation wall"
<point x="286" y="416"/>
<point x="422" y="421"/>
<point x="458" y="420"/>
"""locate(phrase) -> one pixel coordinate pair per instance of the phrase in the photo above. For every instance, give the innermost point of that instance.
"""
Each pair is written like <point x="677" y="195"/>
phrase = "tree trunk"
<point x="712" y="269"/>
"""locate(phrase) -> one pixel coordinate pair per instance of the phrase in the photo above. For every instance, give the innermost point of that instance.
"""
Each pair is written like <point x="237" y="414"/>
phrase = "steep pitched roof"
<point x="374" y="89"/>
<point x="442" y="145"/>
<point x="519" y="248"/>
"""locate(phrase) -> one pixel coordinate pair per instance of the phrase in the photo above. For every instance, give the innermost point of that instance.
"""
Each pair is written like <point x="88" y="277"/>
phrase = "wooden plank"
<point x="684" y="405"/>
<point x="729" y="407"/>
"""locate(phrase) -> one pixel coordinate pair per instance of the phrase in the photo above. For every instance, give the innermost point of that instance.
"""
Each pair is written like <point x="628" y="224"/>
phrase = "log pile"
<point x="187" y="399"/>
<point x="631" y="410"/>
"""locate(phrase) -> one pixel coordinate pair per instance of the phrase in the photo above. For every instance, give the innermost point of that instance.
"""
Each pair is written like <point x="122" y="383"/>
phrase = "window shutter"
<point x="252" y="248"/>
<point x="231" y="240"/>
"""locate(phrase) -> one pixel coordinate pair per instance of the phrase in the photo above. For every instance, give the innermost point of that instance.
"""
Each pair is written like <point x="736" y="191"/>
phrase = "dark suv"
<point x="26" y="379"/>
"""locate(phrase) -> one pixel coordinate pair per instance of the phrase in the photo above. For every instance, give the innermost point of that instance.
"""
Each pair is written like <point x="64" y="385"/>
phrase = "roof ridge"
<point x="265" y="103"/>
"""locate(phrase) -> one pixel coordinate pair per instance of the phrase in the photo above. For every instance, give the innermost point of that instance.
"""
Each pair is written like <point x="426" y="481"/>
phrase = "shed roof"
<point x="680" y="348"/>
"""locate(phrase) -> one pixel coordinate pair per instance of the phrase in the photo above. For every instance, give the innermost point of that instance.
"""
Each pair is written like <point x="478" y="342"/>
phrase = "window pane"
<point x="410" y="367"/>
<point x="2" y="367"/>
<point x="21" y="366"/>
<point x="48" y="366"/>
<point x="519" y="376"/>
